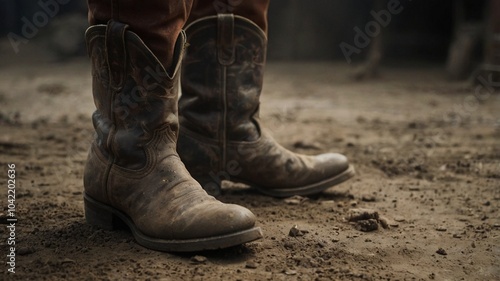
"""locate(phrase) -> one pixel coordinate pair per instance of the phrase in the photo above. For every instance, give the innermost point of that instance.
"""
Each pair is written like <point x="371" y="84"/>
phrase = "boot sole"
<point x="303" y="190"/>
<point x="107" y="217"/>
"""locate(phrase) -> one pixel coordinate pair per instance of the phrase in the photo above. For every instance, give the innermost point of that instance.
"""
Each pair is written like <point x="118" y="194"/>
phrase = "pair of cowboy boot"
<point x="134" y="173"/>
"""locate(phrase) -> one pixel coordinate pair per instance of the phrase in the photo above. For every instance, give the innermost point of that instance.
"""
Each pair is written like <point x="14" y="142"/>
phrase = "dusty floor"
<point x="427" y="154"/>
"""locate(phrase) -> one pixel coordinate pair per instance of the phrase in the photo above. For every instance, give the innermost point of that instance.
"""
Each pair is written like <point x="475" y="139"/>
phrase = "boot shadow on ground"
<point x="248" y="196"/>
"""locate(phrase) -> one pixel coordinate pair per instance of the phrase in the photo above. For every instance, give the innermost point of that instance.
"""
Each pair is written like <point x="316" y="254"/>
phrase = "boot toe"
<point x="216" y="220"/>
<point x="332" y="163"/>
<point x="239" y="218"/>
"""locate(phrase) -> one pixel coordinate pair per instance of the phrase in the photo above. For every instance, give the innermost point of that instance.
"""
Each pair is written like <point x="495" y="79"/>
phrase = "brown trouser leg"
<point x="254" y="10"/>
<point x="157" y="22"/>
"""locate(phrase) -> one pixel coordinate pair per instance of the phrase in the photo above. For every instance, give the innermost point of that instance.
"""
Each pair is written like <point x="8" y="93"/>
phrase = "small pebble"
<point x="368" y="198"/>
<point x="399" y="219"/>
<point x="441" y="228"/>
<point x="441" y="251"/>
<point x="198" y="259"/>
<point x="251" y="264"/>
<point x="295" y="200"/>
<point x="393" y="224"/>
<point x="295" y="231"/>
<point x="327" y="202"/>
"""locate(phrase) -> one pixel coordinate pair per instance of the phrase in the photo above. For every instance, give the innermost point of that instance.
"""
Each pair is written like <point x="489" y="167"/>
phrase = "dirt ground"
<point x="426" y="151"/>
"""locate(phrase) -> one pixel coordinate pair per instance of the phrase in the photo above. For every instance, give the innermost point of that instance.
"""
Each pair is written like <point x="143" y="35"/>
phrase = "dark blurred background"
<point x="299" y="30"/>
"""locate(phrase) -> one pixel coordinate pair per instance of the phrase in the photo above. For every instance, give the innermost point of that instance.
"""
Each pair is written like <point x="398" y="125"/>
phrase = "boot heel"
<point x="98" y="215"/>
<point x="210" y="185"/>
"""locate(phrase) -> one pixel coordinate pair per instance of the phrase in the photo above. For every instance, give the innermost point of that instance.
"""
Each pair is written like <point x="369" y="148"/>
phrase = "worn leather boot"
<point x="221" y="137"/>
<point x="133" y="172"/>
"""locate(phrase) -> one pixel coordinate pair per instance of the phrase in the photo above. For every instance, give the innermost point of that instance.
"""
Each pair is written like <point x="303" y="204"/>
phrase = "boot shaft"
<point x="133" y="93"/>
<point x="222" y="76"/>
